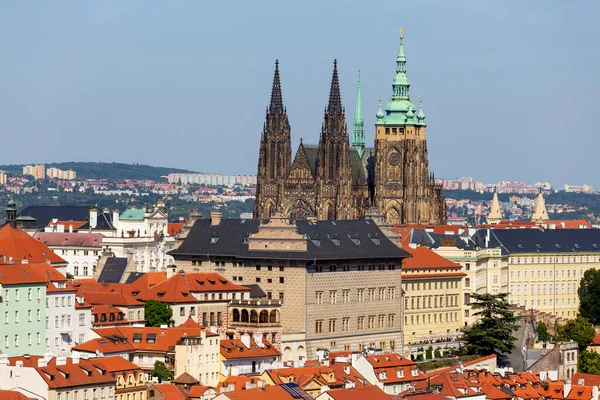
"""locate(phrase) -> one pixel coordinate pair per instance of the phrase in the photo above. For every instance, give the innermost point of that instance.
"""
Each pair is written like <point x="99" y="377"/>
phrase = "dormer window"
<point x="382" y="375"/>
<point x="414" y="372"/>
<point x="355" y="239"/>
<point x="375" y="238"/>
<point x="400" y="373"/>
<point x="214" y="239"/>
<point x="334" y="239"/>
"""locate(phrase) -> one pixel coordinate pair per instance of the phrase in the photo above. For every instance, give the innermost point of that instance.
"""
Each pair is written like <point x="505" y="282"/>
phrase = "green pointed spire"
<point x="380" y="114"/>
<point x="358" y="133"/>
<point x="421" y="114"/>
<point x="399" y="104"/>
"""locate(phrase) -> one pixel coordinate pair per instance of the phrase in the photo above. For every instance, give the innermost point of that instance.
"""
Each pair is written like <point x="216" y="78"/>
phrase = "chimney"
<point x="581" y="382"/>
<point x="261" y="383"/>
<point x="61" y="360"/>
<point x="258" y="339"/>
<point x="567" y="388"/>
<point x="75" y="359"/>
<point x="115" y="218"/>
<point x="347" y="369"/>
<point x="215" y="217"/>
<point x="70" y="228"/>
<point x="245" y="339"/>
<point x="595" y="392"/>
<point x="93" y="217"/>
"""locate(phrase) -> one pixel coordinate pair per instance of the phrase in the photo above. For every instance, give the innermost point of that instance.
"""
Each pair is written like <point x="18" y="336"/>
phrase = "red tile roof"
<point x="198" y="390"/>
<point x="121" y="339"/>
<point x="580" y="393"/>
<point x="67" y="224"/>
<point x="272" y="392"/>
<point x="13" y="395"/>
<point x="234" y="349"/>
<point x="113" y="299"/>
<point x="175" y="227"/>
<point x="359" y="393"/>
<point x="588" y="379"/>
<point x="17" y="244"/>
<point x="69" y="239"/>
<point x="238" y="382"/>
<point x="423" y="258"/>
<point x="346" y="373"/>
<point x="169" y="391"/>
<point x="595" y="341"/>
<point x="322" y="375"/>
<point x="72" y="375"/>
<point x="20" y="274"/>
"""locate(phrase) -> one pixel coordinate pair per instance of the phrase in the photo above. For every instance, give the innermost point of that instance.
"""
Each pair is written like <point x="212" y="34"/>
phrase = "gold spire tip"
<point x="401" y="31"/>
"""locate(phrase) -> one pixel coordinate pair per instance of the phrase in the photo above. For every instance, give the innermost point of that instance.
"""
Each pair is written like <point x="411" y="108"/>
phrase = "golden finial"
<point x="401" y="33"/>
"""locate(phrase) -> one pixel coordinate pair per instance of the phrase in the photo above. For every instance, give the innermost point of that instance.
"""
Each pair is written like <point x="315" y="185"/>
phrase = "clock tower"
<point x="405" y="192"/>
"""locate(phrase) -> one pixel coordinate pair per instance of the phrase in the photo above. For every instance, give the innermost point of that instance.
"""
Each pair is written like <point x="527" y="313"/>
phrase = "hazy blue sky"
<point x="510" y="88"/>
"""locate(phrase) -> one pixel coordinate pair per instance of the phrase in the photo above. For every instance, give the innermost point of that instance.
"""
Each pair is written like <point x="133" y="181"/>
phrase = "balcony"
<point x="241" y="324"/>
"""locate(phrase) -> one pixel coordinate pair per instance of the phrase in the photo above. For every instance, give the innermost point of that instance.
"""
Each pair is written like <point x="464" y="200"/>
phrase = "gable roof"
<point x="13" y="395"/>
<point x="20" y="274"/>
<point x="235" y="349"/>
<point x="287" y="391"/>
<point x="169" y="391"/>
<point x="17" y="244"/>
<point x="45" y="214"/>
<point x="72" y="375"/>
<point x="423" y="258"/>
<point x="326" y="240"/>
<point x="69" y="239"/>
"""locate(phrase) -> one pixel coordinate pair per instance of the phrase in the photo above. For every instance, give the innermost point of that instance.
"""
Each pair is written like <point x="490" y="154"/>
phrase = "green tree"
<point x="161" y="371"/>
<point x="542" y="332"/>
<point x="589" y="296"/>
<point x="579" y="330"/>
<point x="492" y="334"/>
<point x="429" y="353"/>
<point x="437" y="353"/>
<point x="589" y="363"/>
<point x="157" y="313"/>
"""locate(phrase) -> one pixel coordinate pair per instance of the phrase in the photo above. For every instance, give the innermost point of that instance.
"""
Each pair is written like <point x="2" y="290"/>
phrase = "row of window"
<point x="62" y="301"/>
<point x="431" y="285"/>
<point x="431" y="318"/>
<point x="17" y="294"/>
<point x="360" y="267"/>
<point x="360" y="323"/>
<point x="555" y="260"/>
<point x="543" y="288"/>
<point x="269" y="280"/>
<point x="417" y="303"/>
<point x="542" y="303"/>
<point x="78" y="252"/>
<point x="64" y="340"/>
<point x="64" y="321"/>
<point x="17" y="340"/>
<point x="372" y="345"/>
<point x="380" y="294"/>
<point x="87" y="394"/>
<point x="76" y="270"/>
<point x="562" y="274"/>
<point x="16" y="319"/>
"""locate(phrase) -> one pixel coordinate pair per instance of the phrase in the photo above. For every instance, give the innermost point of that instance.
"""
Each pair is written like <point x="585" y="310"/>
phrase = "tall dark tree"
<point x="579" y="330"/>
<point x="589" y="296"/>
<point x="493" y="333"/>
<point x="157" y="313"/>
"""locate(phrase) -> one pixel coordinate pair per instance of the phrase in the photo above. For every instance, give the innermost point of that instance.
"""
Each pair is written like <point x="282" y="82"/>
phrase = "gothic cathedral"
<point x="339" y="180"/>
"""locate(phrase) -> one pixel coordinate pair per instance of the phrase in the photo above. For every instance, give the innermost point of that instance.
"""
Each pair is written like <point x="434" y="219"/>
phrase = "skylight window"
<point x="334" y="239"/>
<point x="214" y="239"/>
<point x="355" y="239"/>
<point x="375" y="239"/>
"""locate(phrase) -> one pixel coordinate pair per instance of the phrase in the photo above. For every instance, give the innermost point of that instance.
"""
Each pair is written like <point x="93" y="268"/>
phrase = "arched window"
<point x="245" y="317"/>
<point x="273" y="317"/>
<point x="236" y="315"/>
<point x="253" y="316"/>
<point x="264" y="316"/>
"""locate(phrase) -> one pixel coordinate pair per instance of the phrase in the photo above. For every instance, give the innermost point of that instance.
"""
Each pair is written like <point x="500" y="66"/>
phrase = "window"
<point x="257" y="279"/>
<point x="392" y="293"/>
<point x="85" y="270"/>
<point x="38" y="338"/>
<point x="29" y="339"/>
<point x="361" y="323"/>
<point x="281" y="268"/>
<point x="381" y="294"/>
<point x="332" y="325"/>
<point x="381" y="321"/>
<point x="345" y="324"/>
<point x="76" y="270"/>
<point x="28" y="315"/>
<point x="81" y="319"/>
<point x="281" y="279"/>
<point x="17" y="340"/>
<point x="371" y="321"/>
<point x="346" y="296"/>
<point x="319" y="297"/>
<point x="318" y="326"/>
<point x="258" y="267"/>
<point x="181" y="311"/>
<point x="38" y="315"/>
<point x="16" y="294"/>
<point x="371" y="294"/>
<point x="467" y="282"/>
<point x="333" y="297"/>
<point x="361" y="295"/>
<point x="281" y="297"/>
<point x="29" y="294"/>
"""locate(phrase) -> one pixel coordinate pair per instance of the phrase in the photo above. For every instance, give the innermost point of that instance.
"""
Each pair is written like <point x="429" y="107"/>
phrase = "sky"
<point x="510" y="88"/>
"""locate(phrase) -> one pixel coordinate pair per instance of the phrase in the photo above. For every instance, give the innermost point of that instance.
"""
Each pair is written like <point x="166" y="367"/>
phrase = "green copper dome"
<point x="380" y="114"/>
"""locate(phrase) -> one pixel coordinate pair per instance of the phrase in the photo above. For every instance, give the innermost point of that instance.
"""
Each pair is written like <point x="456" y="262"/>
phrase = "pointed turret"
<point x="358" y="133"/>
<point x="400" y="105"/>
<point x="540" y="215"/>
<point x="495" y="215"/>
<point x="276" y="106"/>
<point x="335" y="99"/>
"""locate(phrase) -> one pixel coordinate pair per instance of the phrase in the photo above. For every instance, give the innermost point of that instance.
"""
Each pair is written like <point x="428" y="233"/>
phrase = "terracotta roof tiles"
<point x="18" y="245"/>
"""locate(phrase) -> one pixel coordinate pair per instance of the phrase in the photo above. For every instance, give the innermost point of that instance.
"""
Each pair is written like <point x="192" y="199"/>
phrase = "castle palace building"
<point x="339" y="180"/>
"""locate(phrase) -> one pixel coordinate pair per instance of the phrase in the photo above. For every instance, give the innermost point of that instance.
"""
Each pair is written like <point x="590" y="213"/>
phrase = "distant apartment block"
<point x="61" y="174"/>
<point x="37" y="171"/>
<point x="579" y="189"/>
<point x="3" y="178"/>
<point x="212" y="179"/>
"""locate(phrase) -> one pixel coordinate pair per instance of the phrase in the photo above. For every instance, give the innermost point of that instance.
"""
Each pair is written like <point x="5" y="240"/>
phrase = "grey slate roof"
<point x="328" y="240"/>
<point x="45" y="214"/>
<point x="103" y="222"/>
<point x="312" y="153"/>
<point x="113" y="270"/>
<point x="515" y="241"/>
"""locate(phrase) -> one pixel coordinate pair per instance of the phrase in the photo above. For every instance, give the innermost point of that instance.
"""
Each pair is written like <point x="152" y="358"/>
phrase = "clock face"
<point x="394" y="159"/>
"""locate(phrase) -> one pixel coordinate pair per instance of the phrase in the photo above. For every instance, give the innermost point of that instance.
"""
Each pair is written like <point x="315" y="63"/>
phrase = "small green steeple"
<point x="421" y="114"/>
<point x="358" y="133"/>
<point x="380" y="114"/>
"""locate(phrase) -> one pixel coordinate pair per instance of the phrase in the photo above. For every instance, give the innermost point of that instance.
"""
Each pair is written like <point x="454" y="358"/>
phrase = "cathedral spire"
<point x="400" y="105"/>
<point x="335" y="99"/>
<point x="358" y="133"/>
<point x="495" y="215"/>
<point x="276" y="106"/>
<point x="541" y="214"/>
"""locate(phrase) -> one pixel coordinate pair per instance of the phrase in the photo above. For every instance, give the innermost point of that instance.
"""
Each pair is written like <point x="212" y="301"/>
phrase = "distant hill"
<point x="97" y="170"/>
